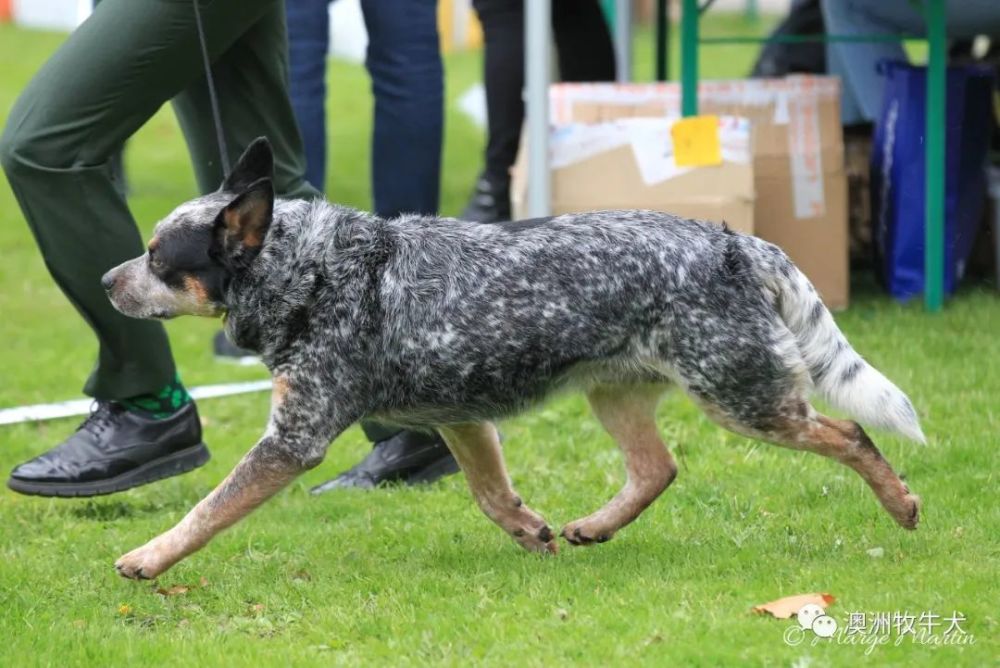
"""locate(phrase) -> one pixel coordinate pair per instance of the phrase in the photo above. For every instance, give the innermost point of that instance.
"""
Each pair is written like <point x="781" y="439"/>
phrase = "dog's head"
<point x="197" y="249"/>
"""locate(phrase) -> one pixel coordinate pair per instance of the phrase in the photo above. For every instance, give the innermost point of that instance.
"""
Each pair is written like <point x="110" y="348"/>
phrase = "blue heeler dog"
<point x="436" y="323"/>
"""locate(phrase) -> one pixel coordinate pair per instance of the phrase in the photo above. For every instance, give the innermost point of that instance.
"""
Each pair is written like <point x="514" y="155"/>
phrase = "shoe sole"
<point x="173" y="464"/>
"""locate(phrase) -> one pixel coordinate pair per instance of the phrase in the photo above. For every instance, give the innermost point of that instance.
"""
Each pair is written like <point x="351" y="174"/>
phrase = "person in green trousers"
<point x="59" y="151"/>
<point x="109" y="77"/>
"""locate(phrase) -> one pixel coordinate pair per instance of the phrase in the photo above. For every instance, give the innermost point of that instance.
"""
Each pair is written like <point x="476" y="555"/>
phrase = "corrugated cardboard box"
<point x="630" y="164"/>
<point x="800" y="183"/>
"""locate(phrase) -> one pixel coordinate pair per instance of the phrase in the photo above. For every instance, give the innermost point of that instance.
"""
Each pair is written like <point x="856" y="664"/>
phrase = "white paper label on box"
<point x="805" y="155"/>
<point x="576" y="142"/>
<point x="654" y="152"/>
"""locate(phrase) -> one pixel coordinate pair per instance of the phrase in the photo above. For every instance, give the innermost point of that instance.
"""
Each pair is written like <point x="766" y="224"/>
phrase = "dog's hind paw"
<point x="542" y="540"/>
<point x="578" y="533"/>
<point x="908" y="516"/>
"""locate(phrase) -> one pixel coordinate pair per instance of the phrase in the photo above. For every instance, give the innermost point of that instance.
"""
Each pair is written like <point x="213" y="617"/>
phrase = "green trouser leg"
<point x="108" y="78"/>
<point x="242" y="116"/>
<point x="251" y="83"/>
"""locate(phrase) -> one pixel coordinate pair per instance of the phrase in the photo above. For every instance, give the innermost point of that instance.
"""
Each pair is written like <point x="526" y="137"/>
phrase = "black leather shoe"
<point x="227" y="351"/>
<point x="115" y="449"/>
<point x="410" y="457"/>
<point x="490" y="202"/>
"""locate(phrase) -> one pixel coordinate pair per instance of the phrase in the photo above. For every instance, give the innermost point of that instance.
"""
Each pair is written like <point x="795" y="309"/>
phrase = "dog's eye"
<point x="155" y="262"/>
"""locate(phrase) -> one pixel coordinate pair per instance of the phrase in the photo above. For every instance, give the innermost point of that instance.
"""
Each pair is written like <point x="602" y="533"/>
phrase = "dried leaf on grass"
<point x="178" y="589"/>
<point x="786" y="607"/>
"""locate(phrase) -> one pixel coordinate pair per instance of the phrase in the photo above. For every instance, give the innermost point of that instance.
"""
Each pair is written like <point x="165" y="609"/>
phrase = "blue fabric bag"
<point x="897" y="173"/>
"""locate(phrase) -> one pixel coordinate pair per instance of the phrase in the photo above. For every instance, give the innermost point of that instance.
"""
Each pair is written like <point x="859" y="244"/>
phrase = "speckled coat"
<point x="438" y="323"/>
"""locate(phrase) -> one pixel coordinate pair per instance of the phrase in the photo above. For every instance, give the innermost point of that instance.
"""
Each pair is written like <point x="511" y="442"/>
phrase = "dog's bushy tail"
<point x="840" y="374"/>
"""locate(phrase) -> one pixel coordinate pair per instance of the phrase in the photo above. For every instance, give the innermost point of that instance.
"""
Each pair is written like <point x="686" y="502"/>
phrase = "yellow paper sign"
<point x="696" y="141"/>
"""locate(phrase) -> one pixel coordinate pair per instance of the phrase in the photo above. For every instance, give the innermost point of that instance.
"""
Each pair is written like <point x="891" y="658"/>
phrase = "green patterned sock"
<point x="162" y="404"/>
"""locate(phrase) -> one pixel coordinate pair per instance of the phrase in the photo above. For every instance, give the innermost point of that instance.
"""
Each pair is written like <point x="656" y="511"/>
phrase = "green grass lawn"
<point x="404" y="576"/>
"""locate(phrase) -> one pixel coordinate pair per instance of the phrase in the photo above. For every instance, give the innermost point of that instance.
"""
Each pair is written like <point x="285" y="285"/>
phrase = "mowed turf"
<point x="419" y="576"/>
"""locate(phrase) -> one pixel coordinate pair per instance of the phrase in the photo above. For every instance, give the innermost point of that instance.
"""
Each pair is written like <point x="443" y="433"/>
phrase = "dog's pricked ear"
<point x="241" y="227"/>
<point x="257" y="162"/>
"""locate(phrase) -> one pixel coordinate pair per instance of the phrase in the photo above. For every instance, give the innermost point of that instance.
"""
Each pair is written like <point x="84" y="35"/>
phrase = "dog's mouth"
<point x="126" y="305"/>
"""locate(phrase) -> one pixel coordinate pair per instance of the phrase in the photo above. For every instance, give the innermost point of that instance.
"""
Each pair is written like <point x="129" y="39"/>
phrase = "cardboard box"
<point x="800" y="182"/>
<point x="630" y="164"/>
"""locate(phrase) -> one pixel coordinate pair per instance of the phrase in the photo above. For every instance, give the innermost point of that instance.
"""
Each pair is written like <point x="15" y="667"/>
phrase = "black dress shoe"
<point x="113" y="450"/>
<point x="490" y="202"/>
<point x="227" y="351"/>
<point x="410" y="457"/>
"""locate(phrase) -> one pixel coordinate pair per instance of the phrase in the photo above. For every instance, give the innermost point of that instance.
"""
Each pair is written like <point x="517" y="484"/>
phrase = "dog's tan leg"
<point x="477" y="449"/>
<point x="848" y="443"/>
<point x="251" y="483"/>
<point x="296" y="440"/>
<point x="628" y="413"/>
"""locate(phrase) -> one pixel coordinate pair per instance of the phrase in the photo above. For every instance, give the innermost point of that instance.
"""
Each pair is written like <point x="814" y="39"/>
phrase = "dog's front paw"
<point x="143" y="563"/>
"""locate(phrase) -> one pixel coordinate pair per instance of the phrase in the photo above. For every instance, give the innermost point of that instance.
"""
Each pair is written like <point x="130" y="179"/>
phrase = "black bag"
<point x="777" y="60"/>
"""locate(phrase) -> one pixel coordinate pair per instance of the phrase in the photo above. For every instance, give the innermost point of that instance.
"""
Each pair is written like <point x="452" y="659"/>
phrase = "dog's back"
<point x="503" y="314"/>
<point x="492" y="317"/>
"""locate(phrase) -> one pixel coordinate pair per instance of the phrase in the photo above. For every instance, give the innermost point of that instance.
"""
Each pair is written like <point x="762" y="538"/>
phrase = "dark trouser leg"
<point x="404" y="61"/>
<point x="583" y="41"/>
<point x="251" y="81"/>
<point x="503" y="74"/>
<point x="108" y="78"/>
<point x="73" y="213"/>
<point x="308" y="43"/>
<point x="585" y="54"/>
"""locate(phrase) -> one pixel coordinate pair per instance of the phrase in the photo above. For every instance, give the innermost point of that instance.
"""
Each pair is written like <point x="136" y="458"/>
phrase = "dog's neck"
<point x="308" y="250"/>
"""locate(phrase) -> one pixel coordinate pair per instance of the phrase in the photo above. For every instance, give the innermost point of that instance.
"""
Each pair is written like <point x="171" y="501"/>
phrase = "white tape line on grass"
<point x="63" y="409"/>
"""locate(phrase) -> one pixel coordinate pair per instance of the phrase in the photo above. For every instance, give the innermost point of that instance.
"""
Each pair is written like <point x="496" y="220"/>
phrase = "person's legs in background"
<point x="404" y="60"/>
<point x="308" y="44"/>
<point x="585" y="52"/>
<point x="583" y="41"/>
<point x="503" y="78"/>
<point x="856" y="63"/>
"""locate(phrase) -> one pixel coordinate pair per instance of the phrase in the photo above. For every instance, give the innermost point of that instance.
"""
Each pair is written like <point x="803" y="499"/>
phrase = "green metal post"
<point x="750" y="11"/>
<point x="610" y="15"/>
<point x="689" y="58"/>
<point x="934" y="155"/>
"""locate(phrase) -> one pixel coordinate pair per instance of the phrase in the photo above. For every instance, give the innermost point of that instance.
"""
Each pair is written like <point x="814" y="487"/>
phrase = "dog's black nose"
<point x="108" y="280"/>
